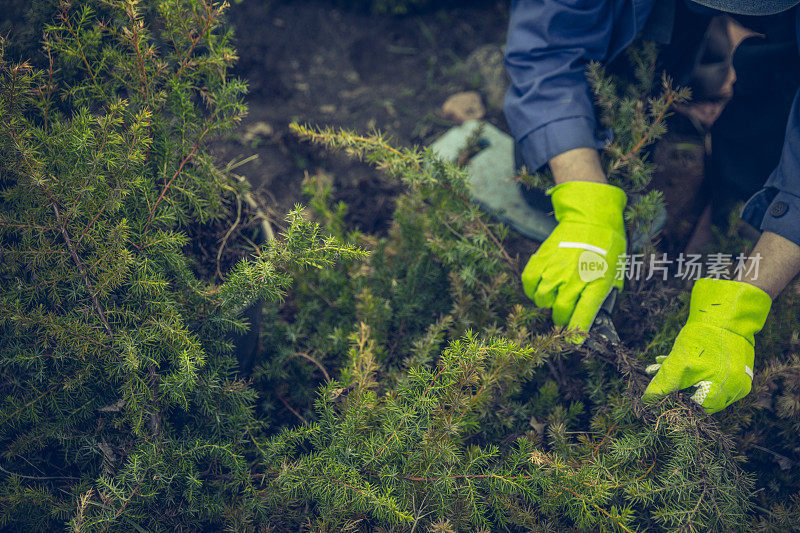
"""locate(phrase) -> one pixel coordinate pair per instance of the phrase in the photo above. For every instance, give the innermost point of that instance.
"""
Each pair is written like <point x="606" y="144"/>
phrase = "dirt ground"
<point x="310" y="62"/>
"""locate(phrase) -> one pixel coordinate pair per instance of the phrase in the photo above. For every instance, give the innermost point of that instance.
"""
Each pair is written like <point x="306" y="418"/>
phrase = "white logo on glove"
<point x="591" y="266"/>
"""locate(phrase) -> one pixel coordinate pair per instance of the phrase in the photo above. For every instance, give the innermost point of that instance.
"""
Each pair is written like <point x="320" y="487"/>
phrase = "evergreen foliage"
<point x="765" y="423"/>
<point x="413" y="388"/>
<point x="120" y="407"/>
<point x="477" y="424"/>
<point x="484" y="419"/>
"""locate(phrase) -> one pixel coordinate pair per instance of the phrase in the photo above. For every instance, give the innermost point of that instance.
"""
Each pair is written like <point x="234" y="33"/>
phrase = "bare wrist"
<point x="778" y="263"/>
<point x="579" y="164"/>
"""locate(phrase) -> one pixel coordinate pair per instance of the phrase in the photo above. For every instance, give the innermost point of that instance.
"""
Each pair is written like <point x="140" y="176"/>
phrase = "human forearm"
<point x="778" y="263"/>
<point x="579" y="164"/>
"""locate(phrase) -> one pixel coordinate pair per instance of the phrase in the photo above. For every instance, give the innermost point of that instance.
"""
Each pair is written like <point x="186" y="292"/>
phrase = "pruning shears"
<point x="603" y="326"/>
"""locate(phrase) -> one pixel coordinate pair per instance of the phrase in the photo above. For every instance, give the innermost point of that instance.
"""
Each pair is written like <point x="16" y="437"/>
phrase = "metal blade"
<point x="602" y="326"/>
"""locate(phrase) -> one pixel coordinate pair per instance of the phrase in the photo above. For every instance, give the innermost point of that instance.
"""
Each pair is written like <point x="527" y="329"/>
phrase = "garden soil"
<point x="313" y="63"/>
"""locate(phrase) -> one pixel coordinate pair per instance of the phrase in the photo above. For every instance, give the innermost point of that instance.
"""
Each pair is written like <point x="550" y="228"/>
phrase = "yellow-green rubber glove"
<point x="715" y="349"/>
<point x="574" y="269"/>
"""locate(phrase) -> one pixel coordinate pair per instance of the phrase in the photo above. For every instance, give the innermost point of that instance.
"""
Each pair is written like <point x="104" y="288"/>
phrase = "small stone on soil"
<point x="462" y="107"/>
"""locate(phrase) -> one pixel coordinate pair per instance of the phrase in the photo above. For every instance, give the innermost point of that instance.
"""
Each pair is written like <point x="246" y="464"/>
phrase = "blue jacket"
<point x="549" y="106"/>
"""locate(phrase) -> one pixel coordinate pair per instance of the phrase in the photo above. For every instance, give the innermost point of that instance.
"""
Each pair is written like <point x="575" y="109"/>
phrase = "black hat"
<point x="743" y="7"/>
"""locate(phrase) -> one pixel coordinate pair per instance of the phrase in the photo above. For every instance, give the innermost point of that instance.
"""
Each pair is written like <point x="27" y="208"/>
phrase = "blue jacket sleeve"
<point x="776" y="208"/>
<point x="549" y="107"/>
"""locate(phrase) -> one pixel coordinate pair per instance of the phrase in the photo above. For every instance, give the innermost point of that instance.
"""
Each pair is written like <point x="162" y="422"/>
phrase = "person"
<point x="550" y="113"/>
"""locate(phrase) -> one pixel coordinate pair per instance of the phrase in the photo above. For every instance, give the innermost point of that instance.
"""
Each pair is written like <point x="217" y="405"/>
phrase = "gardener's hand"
<point x="714" y="350"/>
<point x="574" y="269"/>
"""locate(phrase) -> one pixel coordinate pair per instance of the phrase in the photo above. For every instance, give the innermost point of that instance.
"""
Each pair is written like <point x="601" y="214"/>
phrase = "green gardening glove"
<point x="715" y="349"/>
<point x="575" y="268"/>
